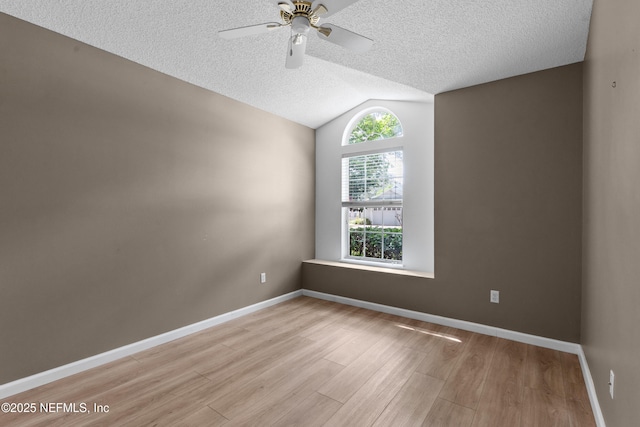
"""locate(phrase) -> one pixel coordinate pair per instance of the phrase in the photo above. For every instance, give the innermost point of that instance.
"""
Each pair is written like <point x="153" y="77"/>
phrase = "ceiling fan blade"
<point x="286" y="6"/>
<point x="295" y="52"/>
<point x="330" y="6"/>
<point x="250" y="30"/>
<point x="344" y="38"/>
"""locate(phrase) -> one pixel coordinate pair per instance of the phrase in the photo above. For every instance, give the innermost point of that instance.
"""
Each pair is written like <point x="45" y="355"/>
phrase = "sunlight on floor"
<point x="430" y="333"/>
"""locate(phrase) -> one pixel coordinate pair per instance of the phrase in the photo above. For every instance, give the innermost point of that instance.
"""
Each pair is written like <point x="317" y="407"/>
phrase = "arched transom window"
<point x="375" y="125"/>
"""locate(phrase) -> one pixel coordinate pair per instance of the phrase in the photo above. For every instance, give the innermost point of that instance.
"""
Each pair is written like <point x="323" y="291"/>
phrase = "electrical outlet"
<point x="263" y="277"/>
<point x="495" y="297"/>
<point x="612" y="378"/>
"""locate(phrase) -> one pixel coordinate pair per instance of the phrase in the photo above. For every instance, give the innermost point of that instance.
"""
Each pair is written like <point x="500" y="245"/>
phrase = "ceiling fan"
<point x="302" y="16"/>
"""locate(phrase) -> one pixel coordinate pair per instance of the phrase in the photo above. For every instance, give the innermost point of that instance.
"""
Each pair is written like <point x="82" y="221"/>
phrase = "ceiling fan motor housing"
<point x="302" y="9"/>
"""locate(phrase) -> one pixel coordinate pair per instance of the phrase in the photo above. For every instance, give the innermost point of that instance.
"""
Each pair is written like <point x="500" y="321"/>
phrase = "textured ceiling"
<point x="421" y="48"/>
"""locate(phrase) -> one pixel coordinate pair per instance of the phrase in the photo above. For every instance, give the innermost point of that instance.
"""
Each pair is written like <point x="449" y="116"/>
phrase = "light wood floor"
<point x="308" y="362"/>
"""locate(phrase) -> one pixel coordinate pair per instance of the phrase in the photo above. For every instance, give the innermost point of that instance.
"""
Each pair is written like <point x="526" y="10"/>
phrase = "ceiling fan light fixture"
<point x="300" y="25"/>
<point x="298" y="39"/>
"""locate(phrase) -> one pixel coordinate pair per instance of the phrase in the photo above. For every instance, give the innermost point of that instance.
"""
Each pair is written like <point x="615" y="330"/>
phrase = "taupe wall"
<point x="132" y="203"/>
<point x="508" y="183"/>
<point x="611" y="262"/>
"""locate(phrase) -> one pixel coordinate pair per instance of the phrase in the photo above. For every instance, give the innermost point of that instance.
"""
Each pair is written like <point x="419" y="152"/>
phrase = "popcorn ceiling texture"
<point x="421" y="48"/>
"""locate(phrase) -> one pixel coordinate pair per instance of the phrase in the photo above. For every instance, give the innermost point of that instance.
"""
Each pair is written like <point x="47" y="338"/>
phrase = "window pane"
<point x="374" y="126"/>
<point x="373" y="177"/>
<point x="356" y="244"/>
<point x="392" y="217"/>
<point x="357" y="218"/>
<point x="373" y="243"/>
<point x="393" y="246"/>
<point x="375" y="233"/>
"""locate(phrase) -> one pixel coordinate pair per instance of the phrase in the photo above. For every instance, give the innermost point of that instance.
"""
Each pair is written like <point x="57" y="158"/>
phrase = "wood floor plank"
<point x="579" y="406"/>
<point x="542" y="408"/>
<point x="203" y="417"/>
<point x="464" y="385"/>
<point x="500" y="405"/>
<point x="139" y="399"/>
<point x="501" y="400"/>
<point x="508" y="362"/>
<point x="124" y="413"/>
<point x="197" y="361"/>
<point x="443" y="346"/>
<point x="285" y="323"/>
<point x="285" y="309"/>
<point x="359" y="319"/>
<point x="270" y="395"/>
<point x="301" y="361"/>
<point x="286" y="396"/>
<point x="174" y="411"/>
<point x="346" y="383"/>
<point x="314" y="411"/>
<point x="425" y="335"/>
<point x="448" y="414"/>
<point x="218" y="358"/>
<point x="246" y="365"/>
<point x="544" y="371"/>
<point x="412" y="403"/>
<point x="331" y="315"/>
<point x="173" y="404"/>
<point x="187" y="345"/>
<point x="244" y="340"/>
<point x="268" y="388"/>
<point x="246" y="368"/>
<point x="351" y="350"/>
<point x="294" y="321"/>
<point x="366" y="405"/>
<point x="571" y="370"/>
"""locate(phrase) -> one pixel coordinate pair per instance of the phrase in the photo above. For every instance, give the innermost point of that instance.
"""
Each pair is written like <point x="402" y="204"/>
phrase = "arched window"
<point x="374" y="199"/>
<point x="372" y="189"/>
<point x="372" y="126"/>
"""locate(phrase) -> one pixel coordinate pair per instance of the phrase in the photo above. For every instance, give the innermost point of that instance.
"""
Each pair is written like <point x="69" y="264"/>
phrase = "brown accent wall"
<point x="611" y="257"/>
<point x="508" y="185"/>
<point x="132" y="203"/>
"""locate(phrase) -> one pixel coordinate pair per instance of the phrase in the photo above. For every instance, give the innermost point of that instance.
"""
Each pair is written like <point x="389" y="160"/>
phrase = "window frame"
<point x="365" y="148"/>
<point x="417" y="144"/>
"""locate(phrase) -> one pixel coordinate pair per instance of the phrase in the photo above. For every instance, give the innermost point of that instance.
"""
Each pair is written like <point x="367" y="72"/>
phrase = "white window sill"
<point x="389" y="270"/>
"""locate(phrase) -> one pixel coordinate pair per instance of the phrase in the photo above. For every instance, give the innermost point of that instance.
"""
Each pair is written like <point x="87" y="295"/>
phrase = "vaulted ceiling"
<point x="421" y="47"/>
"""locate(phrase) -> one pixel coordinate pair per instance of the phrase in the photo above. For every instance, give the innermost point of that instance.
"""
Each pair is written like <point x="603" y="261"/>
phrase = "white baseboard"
<point x="455" y="323"/>
<point x="24" y="384"/>
<point x="591" y="389"/>
<point x="564" y="346"/>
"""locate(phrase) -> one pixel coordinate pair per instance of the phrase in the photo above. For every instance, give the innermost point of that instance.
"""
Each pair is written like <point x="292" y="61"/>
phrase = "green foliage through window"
<point x="374" y="126"/>
<point x="376" y="242"/>
<point x="375" y="233"/>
